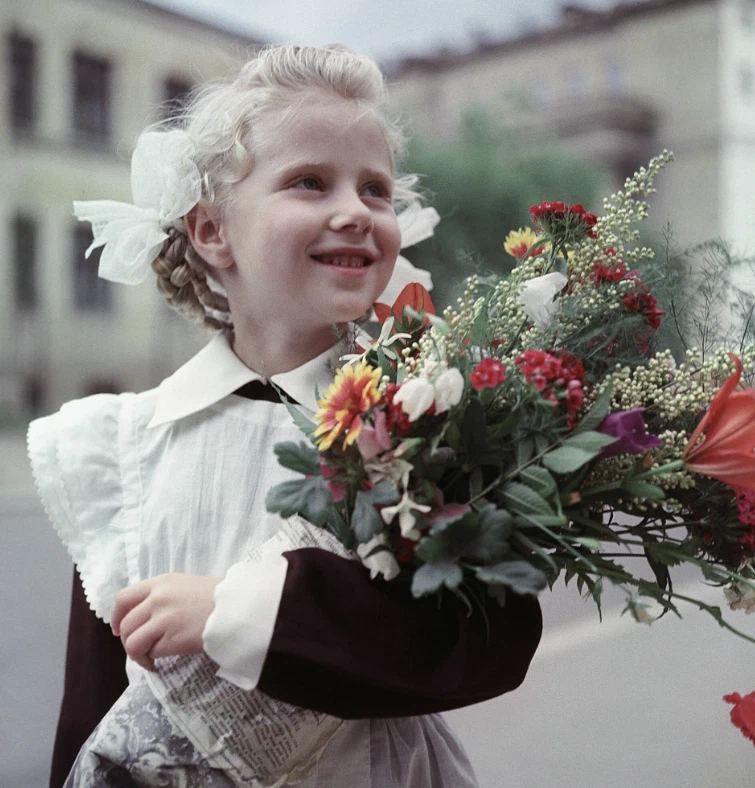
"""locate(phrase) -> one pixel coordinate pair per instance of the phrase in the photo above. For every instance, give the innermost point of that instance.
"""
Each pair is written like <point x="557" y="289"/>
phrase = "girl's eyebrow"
<point x="323" y="166"/>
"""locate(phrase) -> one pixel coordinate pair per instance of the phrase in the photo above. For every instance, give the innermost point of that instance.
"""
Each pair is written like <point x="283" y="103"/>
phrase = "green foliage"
<point x="482" y="186"/>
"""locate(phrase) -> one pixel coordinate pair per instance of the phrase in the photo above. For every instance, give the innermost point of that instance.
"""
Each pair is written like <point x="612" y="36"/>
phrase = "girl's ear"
<point x="207" y="234"/>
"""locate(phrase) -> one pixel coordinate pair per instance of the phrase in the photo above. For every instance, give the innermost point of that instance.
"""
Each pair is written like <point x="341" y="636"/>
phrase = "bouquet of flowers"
<point x="537" y="429"/>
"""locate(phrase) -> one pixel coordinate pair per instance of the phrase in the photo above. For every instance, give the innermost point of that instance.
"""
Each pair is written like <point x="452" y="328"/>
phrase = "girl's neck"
<point x="277" y="349"/>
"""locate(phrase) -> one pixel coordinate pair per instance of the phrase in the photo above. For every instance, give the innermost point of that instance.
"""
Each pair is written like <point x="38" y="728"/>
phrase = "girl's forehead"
<point x="318" y="126"/>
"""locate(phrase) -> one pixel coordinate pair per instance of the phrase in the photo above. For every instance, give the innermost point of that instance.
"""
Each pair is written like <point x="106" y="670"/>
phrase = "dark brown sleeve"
<point x="352" y="647"/>
<point x="95" y="677"/>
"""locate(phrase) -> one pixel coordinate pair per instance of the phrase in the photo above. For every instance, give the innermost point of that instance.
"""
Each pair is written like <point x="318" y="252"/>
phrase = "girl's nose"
<point x="350" y="213"/>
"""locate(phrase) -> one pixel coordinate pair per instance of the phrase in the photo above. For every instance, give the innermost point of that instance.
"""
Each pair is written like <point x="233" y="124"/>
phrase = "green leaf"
<point x="525" y="448"/>
<point x="366" y="521"/>
<point x="475" y="482"/>
<point x="306" y="425"/>
<point x="310" y="498"/>
<point x="589" y="441"/>
<point x="518" y="575"/>
<point x="597" y="412"/>
<point x="567" y="460"/>
<point x="539" y="479"/>
<point x="666" y="554"/>
<point x="300" y="457"/>
<point x="480" y="326"/>
<point x="521" y="498"/>
<point x="714" y="573"/>
<point x="488" y="538"/>
<point x="643" y="489"/>
<point x="431" y="577"/>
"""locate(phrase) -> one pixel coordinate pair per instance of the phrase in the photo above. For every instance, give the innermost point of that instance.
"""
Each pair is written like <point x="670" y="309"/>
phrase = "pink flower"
<point x="374" y="440"/>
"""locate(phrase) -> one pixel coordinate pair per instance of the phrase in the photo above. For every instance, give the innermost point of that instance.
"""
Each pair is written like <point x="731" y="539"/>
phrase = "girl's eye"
<point x="377" y="190"/>
<point x="309" y="183"/>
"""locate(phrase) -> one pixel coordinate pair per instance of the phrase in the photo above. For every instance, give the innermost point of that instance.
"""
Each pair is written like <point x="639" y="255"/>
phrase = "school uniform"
<point x="174" y="480"/>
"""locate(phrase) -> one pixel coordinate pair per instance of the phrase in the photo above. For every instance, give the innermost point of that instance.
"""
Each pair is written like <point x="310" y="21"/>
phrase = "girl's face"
<point x="312" y="233"/>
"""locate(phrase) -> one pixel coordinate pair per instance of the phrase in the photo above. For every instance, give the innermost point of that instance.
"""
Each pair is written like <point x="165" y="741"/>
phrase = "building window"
<point x="746" y="81"/>
<point x="91" y="100"/>
<point x="23" y="81"/>
<point x="90" y="292"/>
<point x="25" y="262"/>
<point x="175" y="94"/>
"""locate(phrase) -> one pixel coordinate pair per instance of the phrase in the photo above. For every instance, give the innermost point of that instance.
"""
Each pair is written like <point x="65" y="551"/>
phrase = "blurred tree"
<point x="482" y="185"/>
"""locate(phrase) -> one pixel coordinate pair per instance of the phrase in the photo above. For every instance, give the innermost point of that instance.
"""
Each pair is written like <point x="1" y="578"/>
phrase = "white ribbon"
<point x="165" y="184"/>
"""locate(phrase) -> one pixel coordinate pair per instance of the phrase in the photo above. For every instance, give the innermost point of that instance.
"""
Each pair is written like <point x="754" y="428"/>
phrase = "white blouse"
<point x="174" y="480"/>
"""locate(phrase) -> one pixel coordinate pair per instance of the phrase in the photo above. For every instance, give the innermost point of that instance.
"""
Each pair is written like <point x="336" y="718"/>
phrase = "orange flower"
<point x="727" y="452"/>
<point x="413" y="295"/>
<point x="351" y="394"/>
<point x="519" y="242"/>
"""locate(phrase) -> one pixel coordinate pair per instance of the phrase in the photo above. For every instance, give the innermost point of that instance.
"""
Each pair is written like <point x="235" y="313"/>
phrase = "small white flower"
<point x="416" y="396"/>
<point x="394" y="470"/>
<point x="405" y="509"/>
<point x="384" y="341"/>
<point x="740" y="597"/>
<point x="448" y="390"/>
<point x="382" y="562"/>
<point x="536" y="297"/>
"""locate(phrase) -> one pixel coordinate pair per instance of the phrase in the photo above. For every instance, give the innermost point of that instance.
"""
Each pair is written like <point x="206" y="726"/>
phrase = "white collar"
<point x="216" y="371"/>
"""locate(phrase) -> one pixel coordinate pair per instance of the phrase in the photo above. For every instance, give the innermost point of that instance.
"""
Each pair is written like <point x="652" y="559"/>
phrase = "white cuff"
<point x="238" y="632"/>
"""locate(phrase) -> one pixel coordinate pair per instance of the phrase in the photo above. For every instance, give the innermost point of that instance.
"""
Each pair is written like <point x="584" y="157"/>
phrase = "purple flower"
<point x="629" y="427"/>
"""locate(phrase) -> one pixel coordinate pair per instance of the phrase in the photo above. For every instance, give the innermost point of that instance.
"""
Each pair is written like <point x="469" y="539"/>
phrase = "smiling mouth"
<point x="343" y="261"/>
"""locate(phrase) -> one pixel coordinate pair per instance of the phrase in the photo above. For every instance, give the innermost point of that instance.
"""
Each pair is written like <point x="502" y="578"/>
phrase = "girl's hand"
<point x="163" y="616"/>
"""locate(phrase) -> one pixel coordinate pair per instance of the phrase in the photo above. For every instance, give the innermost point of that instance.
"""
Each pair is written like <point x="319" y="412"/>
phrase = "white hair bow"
<point x="165" y="184"/>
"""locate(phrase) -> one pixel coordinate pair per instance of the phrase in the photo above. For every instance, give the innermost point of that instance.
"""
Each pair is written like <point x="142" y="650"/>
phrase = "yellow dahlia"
<point x="518" y="242"/>
<point x="351" y="394"/>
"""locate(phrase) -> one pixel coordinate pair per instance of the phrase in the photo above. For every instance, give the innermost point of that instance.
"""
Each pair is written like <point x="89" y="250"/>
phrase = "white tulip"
<point x="416" y="396"/>
<point x="537" y="297"/>
<point x="448" y="390"/>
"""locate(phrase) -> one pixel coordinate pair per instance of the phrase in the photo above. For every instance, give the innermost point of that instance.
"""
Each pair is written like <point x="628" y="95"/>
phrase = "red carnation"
<point x="743" y="713"/>
<point x="487" y="374"/>
<point x="562" y="222"/>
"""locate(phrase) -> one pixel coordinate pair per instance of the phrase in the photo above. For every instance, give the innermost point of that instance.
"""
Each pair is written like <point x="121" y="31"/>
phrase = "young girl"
<point x="272" y="218"/>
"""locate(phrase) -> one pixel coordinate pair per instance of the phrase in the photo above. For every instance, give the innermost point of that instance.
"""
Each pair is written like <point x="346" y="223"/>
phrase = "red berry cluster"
<point x="557" y="376"/>
<point x="560" y="220"/>
<point x="640" y="299"/>
<point x="487" y="374"/>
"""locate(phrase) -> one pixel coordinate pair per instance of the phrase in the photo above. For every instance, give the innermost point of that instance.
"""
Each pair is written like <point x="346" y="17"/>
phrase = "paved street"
<point x="615" y="705"/>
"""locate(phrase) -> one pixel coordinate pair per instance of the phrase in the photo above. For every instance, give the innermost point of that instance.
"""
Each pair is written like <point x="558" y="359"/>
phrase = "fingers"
<point x="128" y="599"/>
<point x="140" y="644"/>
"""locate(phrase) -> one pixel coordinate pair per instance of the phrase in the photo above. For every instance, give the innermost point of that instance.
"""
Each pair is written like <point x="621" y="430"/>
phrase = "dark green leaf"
<point x="597" y="412"/>
<point x="365" y="519"/>
<point x="521" y="498"/>
<point x="518" y="575"/>
<point x="525" y="448"/>
<point x="310" y="498"/>
<point x="539" y="479"/>
<point x="306" y="425"/>
<point x="589" y="441"/>
<point x="473" y="429"/>
<point x="643" y="489"/>
<point x="300" y="457"/>
<point x="566" y="459"/>
<point x="489" y="535"/>
<point x="475" y="482"/>
<point x="431" y="577"/>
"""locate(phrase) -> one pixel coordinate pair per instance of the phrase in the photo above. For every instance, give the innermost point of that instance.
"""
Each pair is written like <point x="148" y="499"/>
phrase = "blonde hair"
<point x="223" y="122"/>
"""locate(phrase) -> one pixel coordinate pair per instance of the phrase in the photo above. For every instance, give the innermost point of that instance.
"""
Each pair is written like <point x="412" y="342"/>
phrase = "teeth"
<point x="344" y="261"/>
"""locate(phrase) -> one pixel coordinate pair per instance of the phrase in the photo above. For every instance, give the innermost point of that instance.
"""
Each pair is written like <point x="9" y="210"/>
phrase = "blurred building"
<point x="82" y="79"/>
<point x="619" y="86"/>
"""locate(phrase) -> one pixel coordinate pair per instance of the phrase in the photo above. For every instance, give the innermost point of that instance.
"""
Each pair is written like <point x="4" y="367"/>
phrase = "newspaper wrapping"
<point x="259" y="742"/>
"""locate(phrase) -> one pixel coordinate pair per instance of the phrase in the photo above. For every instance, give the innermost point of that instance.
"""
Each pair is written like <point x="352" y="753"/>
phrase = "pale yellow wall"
<point x="138" y="342"/>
